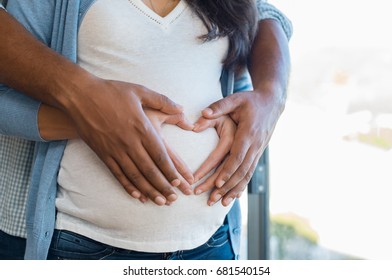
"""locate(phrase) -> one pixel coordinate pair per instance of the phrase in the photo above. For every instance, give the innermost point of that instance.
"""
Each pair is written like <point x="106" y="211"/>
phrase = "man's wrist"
<point x="70" y="85"/>
<point x="271" y="95"/>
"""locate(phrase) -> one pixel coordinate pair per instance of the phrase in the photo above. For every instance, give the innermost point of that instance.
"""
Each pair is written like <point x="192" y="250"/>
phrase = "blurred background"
<point x="331" y="153"/>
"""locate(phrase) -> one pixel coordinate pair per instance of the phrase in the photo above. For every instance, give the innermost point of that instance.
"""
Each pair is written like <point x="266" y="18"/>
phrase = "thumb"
<point x="159" y="102"/>
<point x="221" y="107"/>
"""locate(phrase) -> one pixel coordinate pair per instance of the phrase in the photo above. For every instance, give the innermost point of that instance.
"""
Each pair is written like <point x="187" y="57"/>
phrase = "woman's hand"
<point x="226" y="129"/>
<point x="157" y="119"/>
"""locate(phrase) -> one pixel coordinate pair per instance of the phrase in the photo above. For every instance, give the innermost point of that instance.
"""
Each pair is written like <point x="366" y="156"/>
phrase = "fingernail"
<point x="172" y="197"/>
<point x="228" y="201"/>
<point x="190" y="180"/>
<point x="175" y="182"/>
<point x="208" y="111"/>
<point x="217" y="197"/>
<point x="136" y="194"/>
<point x="220" y="183"/>
<point x="160" y="200"/>
<point x="211" y="203"/>
<point x="198" y="191"/>
<point x="188" y="192"/>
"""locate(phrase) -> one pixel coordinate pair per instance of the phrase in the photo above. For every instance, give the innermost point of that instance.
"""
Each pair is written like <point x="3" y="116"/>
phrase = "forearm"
<point x="269" y="64"/>
<point x="29" y="66"/>
<point x="53" y="124"/>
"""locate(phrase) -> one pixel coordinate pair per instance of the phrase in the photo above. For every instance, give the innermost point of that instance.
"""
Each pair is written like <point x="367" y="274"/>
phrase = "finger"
<point x="238" y="152"/>
<point x="179" y="120"/>
<point x="154" y="149"/>
<point x="182" y="168"/>
<point x="226" y="131"/>
<point x="239" y="189"/>
<point x="149" y="173"/>
<point x="215" y="157"/>
<point x="209" y="183"/>
<point x="203" y="123"/>
<point x="221" y="107"/>
<point x="242" y="171"/>
<point x="185" y="187"/>
<point x="137" y="179"/>
<point x="158" y="101"/>
<point x="122" y="179"/>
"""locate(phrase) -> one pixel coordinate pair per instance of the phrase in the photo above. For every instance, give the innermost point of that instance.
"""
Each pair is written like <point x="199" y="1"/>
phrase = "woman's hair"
<point x="236" y="19"/>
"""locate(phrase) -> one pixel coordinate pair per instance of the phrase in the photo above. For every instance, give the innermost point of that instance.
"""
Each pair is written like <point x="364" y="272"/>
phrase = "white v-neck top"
<point x="125" y="40"/>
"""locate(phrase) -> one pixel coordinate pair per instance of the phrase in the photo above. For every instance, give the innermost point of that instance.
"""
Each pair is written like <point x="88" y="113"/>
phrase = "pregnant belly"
<point x="193" y="148"/>
<point x="88" y="193"/>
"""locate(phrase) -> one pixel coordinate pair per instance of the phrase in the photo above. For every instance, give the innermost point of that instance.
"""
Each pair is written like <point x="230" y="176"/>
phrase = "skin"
<point x="132" y="148"/>
<point x="55" y="125"/>
<point x="255" y="113"/>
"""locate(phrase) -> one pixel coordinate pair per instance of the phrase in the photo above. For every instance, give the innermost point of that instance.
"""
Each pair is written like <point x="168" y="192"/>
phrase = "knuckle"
<point x="134" y="177"/>
<point x="118" y="174"/>
<point x="143" y="128"/>
<point x="248" y="177"/>
<point x="150" y="173"/>
<point x="161" y="158"/>
<point x="163" y="99"/>
<point x="151" y="194"/>
<point x="239" y="157"/>
<point x="167" y="190"/>
<point x="242" y="173"/>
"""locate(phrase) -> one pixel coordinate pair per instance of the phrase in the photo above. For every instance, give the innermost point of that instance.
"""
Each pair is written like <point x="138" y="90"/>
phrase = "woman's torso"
<point x="125" y="40"/>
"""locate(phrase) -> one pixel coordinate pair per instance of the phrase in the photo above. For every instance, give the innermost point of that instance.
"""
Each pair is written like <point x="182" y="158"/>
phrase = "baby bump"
<point x="86" y="183"/>
<point x="89" y="196"/>
<point x="193" y="148"/>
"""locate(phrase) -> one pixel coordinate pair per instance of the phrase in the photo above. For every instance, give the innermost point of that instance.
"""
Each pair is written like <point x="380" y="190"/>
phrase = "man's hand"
<point x="108" y="115"/>
<point x="110" y="118"/>
<point x="256" y="119"/>
<point x="256" y="113"/>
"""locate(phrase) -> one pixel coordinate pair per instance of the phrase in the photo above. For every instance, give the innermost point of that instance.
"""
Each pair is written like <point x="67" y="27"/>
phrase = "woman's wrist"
<point x="53" y="124"/>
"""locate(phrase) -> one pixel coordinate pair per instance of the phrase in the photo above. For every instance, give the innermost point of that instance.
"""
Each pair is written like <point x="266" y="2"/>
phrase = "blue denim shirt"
<point x="56" y="24"/>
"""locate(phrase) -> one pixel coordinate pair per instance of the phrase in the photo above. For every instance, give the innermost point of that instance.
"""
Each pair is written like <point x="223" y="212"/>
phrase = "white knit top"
<point x="125" y="40"/>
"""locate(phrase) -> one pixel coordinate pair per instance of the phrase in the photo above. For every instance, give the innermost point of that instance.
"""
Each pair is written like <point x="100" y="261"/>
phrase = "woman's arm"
<point x="53" y="124"/>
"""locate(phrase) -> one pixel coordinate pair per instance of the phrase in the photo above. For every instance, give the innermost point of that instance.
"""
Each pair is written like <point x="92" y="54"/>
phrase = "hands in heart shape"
<point x="225" y="128"/>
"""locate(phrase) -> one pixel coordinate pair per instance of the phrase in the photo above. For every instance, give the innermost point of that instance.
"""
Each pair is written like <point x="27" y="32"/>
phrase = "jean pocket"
<point x="220" y="237"/>
<point x="72" y="246"/>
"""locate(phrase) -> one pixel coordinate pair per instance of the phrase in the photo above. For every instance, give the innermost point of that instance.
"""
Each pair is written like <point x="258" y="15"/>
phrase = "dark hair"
<point x="236" y="19"/>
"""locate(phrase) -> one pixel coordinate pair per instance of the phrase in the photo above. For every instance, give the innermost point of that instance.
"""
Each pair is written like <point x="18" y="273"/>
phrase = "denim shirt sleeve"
<point x="268" y="11"/>
<point x="18" y="115"/>
<point x="18" y="112"/>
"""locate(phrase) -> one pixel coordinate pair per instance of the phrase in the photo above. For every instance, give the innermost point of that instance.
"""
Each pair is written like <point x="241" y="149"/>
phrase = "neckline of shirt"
<point x="163" y="21"/>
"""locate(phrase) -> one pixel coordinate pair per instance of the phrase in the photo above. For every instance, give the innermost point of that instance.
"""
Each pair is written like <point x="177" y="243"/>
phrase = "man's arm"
<point x="108" y="115"/>
<point x="255" y="112"/>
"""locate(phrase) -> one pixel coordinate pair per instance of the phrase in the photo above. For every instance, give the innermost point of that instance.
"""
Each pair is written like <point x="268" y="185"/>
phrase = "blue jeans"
<point x="72" y="246"/>
<point x="11" y="247"/>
